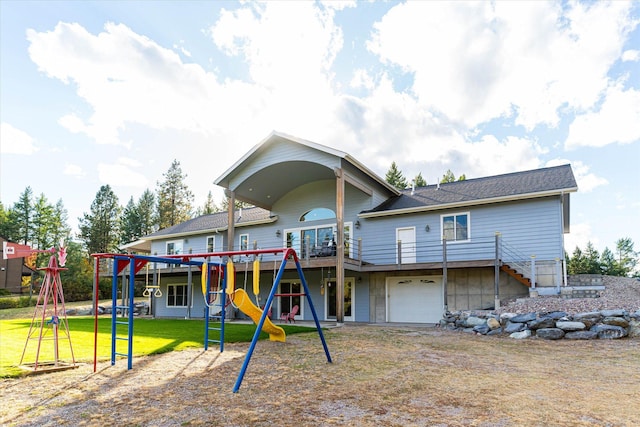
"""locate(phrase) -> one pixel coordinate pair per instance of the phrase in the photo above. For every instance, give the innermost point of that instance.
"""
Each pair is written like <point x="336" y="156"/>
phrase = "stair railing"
<point x="523" y="264"/>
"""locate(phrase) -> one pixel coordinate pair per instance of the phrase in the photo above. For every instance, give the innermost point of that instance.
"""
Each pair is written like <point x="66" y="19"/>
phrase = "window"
<point x="211" y="244"/>
<point x="174" y="248"/>
<point x="455" y="227"/>
<point x="321" y="240"/>
<point x="177" y="296"/>
<point x="244" y="242"/>
<point x="317" y="214"/>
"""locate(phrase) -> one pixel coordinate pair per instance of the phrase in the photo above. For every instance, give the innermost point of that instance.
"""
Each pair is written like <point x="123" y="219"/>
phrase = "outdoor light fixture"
<point x="278" y="234"/>
<point x="357" y="224"/>
<point x="427" y="228"/>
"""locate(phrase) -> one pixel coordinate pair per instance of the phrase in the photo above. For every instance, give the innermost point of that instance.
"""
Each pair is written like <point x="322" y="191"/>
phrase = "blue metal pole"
<point x="205" y="270"/>
<point x="313" y="310"/>
<point x="132" y="282"/>
<point x="256" y="335"/>
<point x="114" y="310"/>
<point x="223" y="308"/>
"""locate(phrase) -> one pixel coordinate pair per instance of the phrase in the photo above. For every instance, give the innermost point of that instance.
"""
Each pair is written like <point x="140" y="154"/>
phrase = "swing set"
<point x="218" y="288"/>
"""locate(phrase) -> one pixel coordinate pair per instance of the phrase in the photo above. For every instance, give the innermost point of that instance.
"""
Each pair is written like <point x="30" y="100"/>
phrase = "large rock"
<point x="616" y="321"/>
<point x="570" y="326"/>
<point x="589" y="319"/>
<point x="609" y="331"/>
<point x="542" y="322"/>
<point x="481" y="329"/>
<point x="513" y="327"/>
<point x="550" y="333"/>
<point x="473" y="321"/>
<point x="614" y="313"/>
<point x="523" y="318"/>
<point x="556" y="315"/>
<point x="493" y="323"/>
<point x="521" y="335"/>
<point x="581" y="335"/>
<point x="634" y="328"/>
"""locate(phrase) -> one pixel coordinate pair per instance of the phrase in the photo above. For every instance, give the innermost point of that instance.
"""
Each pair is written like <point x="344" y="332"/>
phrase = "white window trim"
<point x="468" y="214"/>
<point x="167" y="299"/>
<point x="240" y="237"/>
<point x="213" y="249"/>
<point x="166" y="248"/>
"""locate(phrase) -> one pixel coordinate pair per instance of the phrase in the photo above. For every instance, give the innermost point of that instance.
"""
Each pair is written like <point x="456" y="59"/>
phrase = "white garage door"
<point x="414" y="299"/>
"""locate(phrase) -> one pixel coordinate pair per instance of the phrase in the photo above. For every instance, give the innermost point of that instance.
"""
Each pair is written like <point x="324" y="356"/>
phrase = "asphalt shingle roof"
<point x="546" y="180"/>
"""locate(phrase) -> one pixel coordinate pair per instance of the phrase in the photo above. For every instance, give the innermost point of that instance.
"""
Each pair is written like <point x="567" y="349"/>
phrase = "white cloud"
<point x="15" y="141"/>
<point x="587" y="180"/>
<point x="121" y="174"/>
<point x="580" y="235"/>
<point x="616" y="121"/>
<point x="475" y="61"/>
<point x="73" y="170"/>
<point x="631" y="55"/>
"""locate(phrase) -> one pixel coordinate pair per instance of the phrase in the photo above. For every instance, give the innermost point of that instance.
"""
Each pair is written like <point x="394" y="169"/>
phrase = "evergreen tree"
<point x="130" y="223"/>
<point x="577" y="262"/>
<point x="21" y="215"/>
<point x="209" y="206"/>
<point x="60" y="227"/>
<point x="592" y="259"/>
<point x="100" y="230"/>
<point x="450" y="177"/>
<point x="43" y="223"/>
<point x="627" y="257"/>
<point x="608" y="264"/>
<point x="146" y="213"/>
<point x="6" y="225"/>
<point x="394" y="177"/>
<point x="174" y="198"/>
<point x="419" y="181"/>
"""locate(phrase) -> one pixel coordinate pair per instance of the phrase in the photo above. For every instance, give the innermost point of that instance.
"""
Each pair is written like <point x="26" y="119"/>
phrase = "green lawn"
<point x="151" y="336"/>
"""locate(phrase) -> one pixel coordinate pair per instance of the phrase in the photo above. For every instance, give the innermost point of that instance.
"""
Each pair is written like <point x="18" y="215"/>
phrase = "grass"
<point x="151" y="336"/>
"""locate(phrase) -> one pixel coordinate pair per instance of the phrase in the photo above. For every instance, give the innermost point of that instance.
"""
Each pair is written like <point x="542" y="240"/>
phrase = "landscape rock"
<point x="542" y="322"/>
<point x="514" y="327"/>
<point x="614" y="313"/>
<point x="493" y="323"/>
<point x="521" y="335"/>
<point x="550" y="333"/>
<point x="570" y="326"/>
<point x="609" y="332"/>
<point x="581" y="335"/>
<point x="523" y="318"/>
<point x="616" y="321"/>
<point x="634" y="328"/>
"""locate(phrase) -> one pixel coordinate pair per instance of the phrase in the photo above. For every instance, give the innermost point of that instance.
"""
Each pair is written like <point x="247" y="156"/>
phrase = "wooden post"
<point x="496" y="296"/>
<point x="339" y="246"/>
<point x="231" y="198"/>
<point x="445" y="277"/>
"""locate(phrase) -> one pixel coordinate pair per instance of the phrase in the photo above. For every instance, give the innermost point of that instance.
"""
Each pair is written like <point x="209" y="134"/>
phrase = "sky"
<point x="96" y="93"/>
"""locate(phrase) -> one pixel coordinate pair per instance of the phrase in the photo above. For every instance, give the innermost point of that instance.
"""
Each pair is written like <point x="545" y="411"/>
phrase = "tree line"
<point x="622" y="262"/>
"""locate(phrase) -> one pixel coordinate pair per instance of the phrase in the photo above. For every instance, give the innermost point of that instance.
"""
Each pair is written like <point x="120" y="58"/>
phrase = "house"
<point x="12" y="270"/>
<point x="370" y="252"/>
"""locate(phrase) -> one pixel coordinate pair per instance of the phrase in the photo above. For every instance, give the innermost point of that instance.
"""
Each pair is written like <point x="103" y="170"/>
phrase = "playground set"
<point x="49" y="321"/>
<point x="218" y="289"/>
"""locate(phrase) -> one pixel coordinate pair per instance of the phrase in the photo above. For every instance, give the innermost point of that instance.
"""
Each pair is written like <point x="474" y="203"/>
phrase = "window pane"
<point x="448" y="228"/>
<point x="461" y="227"/>
<point x="210" y="244"/>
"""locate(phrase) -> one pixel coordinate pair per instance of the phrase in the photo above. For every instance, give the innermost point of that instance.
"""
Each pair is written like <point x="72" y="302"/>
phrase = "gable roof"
<point x="499" y="188"/>
<point x="214" y="223"/>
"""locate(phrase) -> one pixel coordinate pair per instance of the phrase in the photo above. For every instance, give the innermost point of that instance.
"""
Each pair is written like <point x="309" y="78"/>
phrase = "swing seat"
<point x="290" y="317"/>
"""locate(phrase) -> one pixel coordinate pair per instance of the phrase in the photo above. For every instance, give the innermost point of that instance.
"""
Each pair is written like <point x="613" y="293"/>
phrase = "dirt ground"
<point x="380" y="375"/>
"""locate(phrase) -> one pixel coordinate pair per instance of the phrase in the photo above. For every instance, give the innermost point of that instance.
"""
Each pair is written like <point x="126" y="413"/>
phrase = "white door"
<point x="415" y="299"/>
<point x="407" y="237"/>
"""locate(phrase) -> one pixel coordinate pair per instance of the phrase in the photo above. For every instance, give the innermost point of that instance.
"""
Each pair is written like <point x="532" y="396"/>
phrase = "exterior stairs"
<point x="513" y="273"/>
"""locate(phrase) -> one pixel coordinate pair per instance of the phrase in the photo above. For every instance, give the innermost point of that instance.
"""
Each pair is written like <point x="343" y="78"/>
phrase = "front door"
<point x="330" y="299"/>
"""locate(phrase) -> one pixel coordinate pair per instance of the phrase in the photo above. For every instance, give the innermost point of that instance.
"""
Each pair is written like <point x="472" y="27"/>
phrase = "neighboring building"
<point x="400" y="255"/>
<point x="12" y="271"/>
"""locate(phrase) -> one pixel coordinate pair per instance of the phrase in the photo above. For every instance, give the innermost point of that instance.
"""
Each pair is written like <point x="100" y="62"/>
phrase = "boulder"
<point x="616" y="321"/>
<point x="570" y="326"/>
<point x="556" y="315"/>
<point x="523" y="318"/>
<point x="473" y="321"/>
<point x="481" y="329"/>
<point x="542" y="322"/>
<point x="493" y="323"/>
<point x="634" y="328"/>
<point x="581" y="335"/>
<point x="589" y="319"/>
<point x="513" y="327"/>
<point x="495" y="331"/>
<point x="614" y="313"/>
<point x="521" y="335"/>
<point x="609" y="331"/>
<point x="550" y="333"/>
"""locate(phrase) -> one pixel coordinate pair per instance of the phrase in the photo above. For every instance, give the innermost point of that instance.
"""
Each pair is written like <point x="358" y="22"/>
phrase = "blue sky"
<point x="95" y="93"/>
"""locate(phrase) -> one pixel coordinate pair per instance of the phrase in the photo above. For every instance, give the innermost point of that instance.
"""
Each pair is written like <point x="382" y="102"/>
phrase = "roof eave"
<point x="214" y="230"/>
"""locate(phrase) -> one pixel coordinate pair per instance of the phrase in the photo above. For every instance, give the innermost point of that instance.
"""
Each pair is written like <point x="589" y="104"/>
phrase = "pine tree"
<point x="209" y="206"/>
<point x="627" y="257"/>
<point x="448" y="177"/>
<point x="419" y="181"/>
<point x="146" y="212"/>
<point x="21" y="215"/>
<point x="130" y="223"/>
<point x="100" y="230"/>
<point x="394" y="177"/>
<point x="174" y="198"/>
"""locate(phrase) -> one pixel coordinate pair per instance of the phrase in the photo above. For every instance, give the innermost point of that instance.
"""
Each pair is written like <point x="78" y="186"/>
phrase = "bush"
<point x="14" y="302"/>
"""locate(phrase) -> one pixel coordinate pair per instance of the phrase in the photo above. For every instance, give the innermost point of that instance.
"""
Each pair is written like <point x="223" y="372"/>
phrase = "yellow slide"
<point x="243" y="302"/>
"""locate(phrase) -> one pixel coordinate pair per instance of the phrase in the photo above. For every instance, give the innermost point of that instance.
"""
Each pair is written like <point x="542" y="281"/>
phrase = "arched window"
<point x="317" y="214"/>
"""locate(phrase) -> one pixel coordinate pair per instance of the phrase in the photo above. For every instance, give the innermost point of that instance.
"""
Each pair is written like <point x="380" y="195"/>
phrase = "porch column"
<point x="339" y="246"/>
<point x="231" y="221"/>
